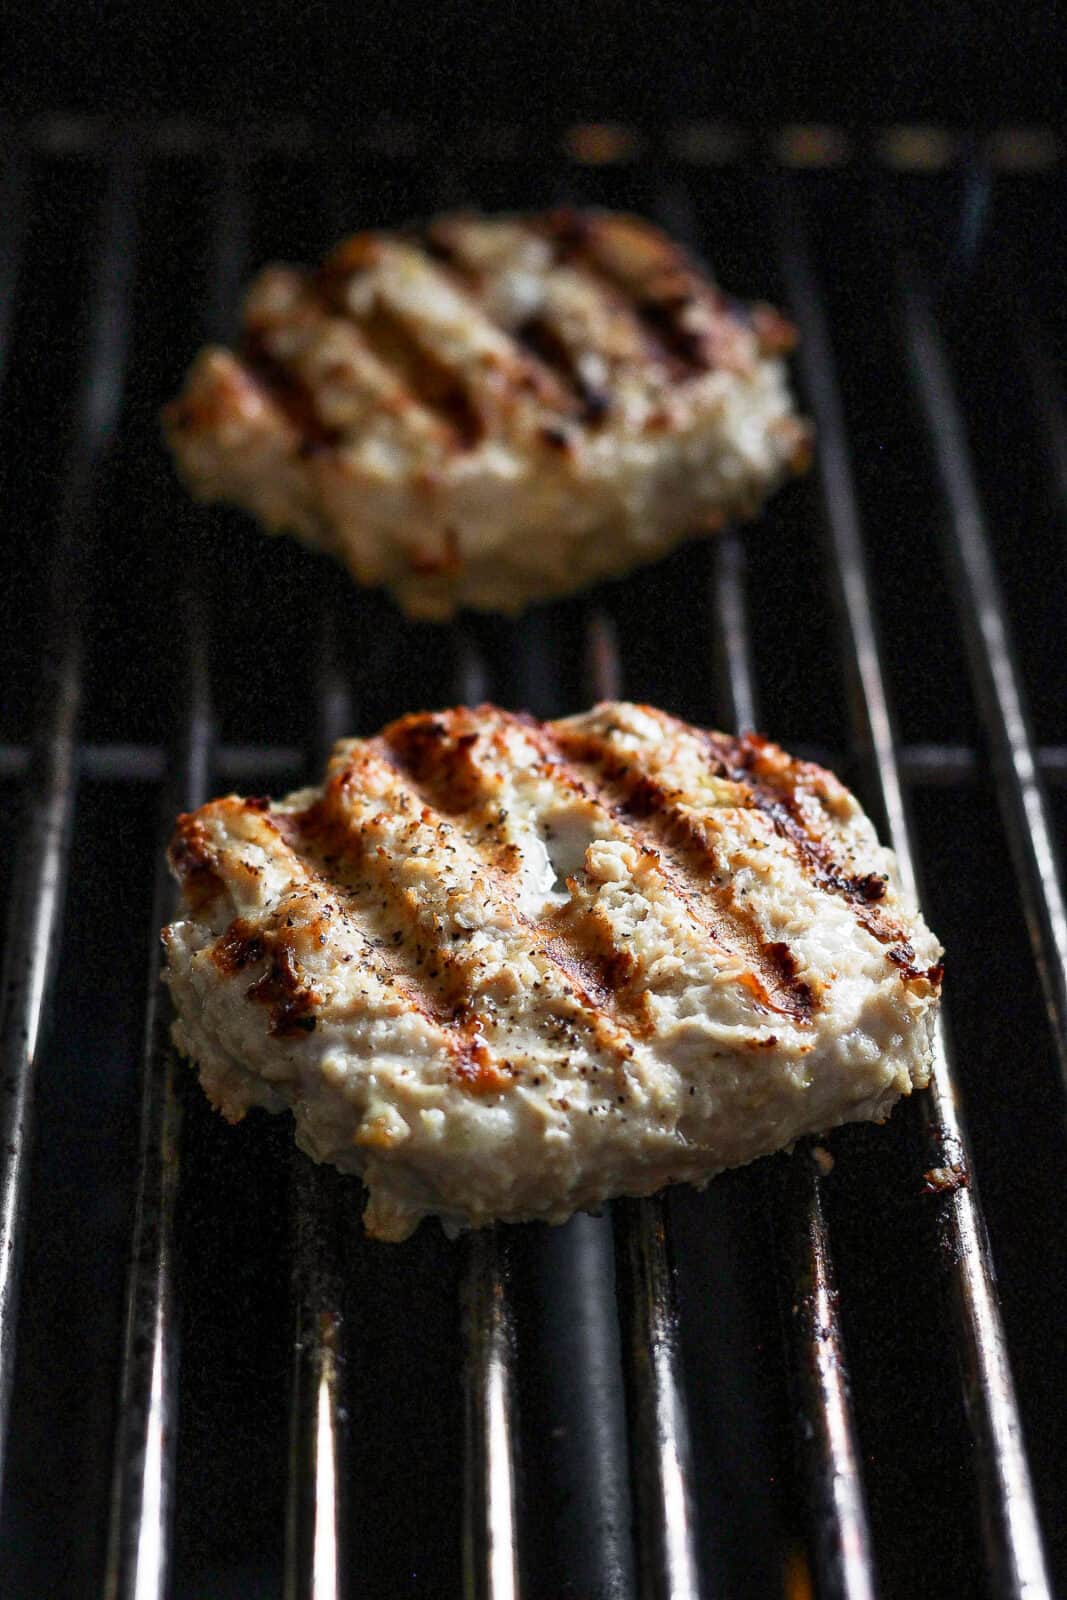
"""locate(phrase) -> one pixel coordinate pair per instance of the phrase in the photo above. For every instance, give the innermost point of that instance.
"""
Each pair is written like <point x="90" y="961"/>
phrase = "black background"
<point x="761" y="63"/>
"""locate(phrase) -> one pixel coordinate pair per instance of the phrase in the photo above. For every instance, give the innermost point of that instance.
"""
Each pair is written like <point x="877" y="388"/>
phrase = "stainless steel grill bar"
<point x="40" y="875"/>
<point x="660" y="1460"/>
<point x="490" y="1525"/>
<point x="140" y="1533"/>
<point x="490" y="1543"/>
<point x="840" y="1537"/>
<point x="919" y="764"/>
<point x="1016" y="1556"/>
<point x="923" y="147"/>
<point x="992" y="659"/>
<point x="733" y="648"/>
<point x="138" y="1558"/>
<point x="315" y="1557"/>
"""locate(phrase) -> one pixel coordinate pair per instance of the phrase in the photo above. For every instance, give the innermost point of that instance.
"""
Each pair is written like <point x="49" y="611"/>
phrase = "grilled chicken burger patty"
<point x="509" y="969"/>
<point x="493" y="411"/>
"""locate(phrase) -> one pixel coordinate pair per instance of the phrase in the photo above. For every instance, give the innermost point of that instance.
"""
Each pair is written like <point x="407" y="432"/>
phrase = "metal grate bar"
<point x="1015" y="1551"/>
<point x="825" y="1430"/>
<point x="315" y="1560"/>
<point x="992" y="659"/>
<point x="139" y="1545"/>
<point x="840" y="1537"/>
<point x="659" y="1429"/>
<point x="315" y="1564"/>
<point x="490" y="1547"/>
<point x="660" y="1462"/>
<point x="142" y="1489"/>
<point x="919" y="764"/>
<point x="733" y="647"/>
<point x="40" y="875"/>
<point x="490" y="1533"/>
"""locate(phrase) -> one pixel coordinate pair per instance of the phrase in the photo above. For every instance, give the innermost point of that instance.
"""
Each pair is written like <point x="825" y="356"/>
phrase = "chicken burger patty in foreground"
<point x="509" y="969"/>
<point x="492" y="411"/>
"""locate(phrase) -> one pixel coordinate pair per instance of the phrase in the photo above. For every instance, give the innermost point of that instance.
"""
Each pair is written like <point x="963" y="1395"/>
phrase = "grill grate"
<point x="558" y="1393"/>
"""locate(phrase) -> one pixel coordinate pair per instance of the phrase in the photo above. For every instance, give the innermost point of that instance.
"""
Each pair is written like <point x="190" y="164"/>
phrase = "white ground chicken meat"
<point x="493" y="411"/>
<point x="509" y="969"/>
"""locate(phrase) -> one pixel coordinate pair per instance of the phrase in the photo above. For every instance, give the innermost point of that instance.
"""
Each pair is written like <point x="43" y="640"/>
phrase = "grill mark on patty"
<point x="661" y="298"/>
<point x="778" y="795"/>
<point x="289" y="393"/>
<point x="541" y="354"/>
<point x="537" y="335"/>
<point x="282" y="987"/>
<point x="438" y="756"/>
<point x="312" y="905"/>
<point x="432" y="754"/>
<point x="195" y="861"/>
<point x="430" y="382"/>
<point x="430" y="977"/>
<point x="688" y="860"/>
<point x="337" y="864"/>
<point x="433" y="762"/>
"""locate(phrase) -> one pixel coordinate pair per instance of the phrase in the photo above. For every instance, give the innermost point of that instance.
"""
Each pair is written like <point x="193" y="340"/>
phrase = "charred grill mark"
<point x="434" y="755"/>
<point x="291" y="999"/>
<point x="239" y="947"/>
<point x="545" y="344"/>
<point x="431" y="383"/>
<point x="288" y="391"/>
<point x="473" y="1066"/>
<point x="282" y="987"/>
<point x="903" y="957"/>
<point x="195" y="862"/>
<point x="581" y="945"/>
<point x="431" y="979"/>
<point x="543" y="363"/>
<point x="686" y="323"/>
<point x="688" y="861"/>
<point x="784" y="798"/>
<point x="336" y="862"/>
<point x="557" y="437"/>
<point x="433" y="759"/>
<point x="783" y="962"/>
<point x="439" y="242"/>
<point x="665" y="308"/>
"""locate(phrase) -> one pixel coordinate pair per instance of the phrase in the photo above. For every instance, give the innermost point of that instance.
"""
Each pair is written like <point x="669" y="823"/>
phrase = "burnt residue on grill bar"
<point x="662" y="1450"/>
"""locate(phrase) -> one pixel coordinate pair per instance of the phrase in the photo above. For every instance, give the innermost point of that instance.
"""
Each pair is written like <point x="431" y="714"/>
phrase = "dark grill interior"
<point x="290" y="1409"/>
